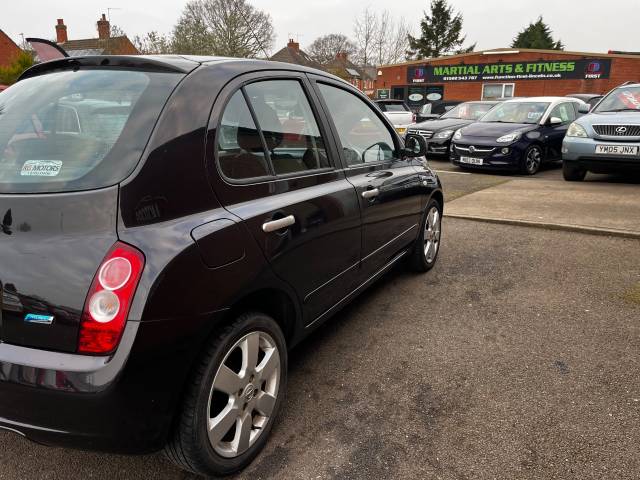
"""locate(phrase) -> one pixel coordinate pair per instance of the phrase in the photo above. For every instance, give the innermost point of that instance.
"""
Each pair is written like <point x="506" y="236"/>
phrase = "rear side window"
<point x="288" y="125"/>
<point x="277" y="133"/>
<point x="241" y="153"/>
<point x="77" y="130"/>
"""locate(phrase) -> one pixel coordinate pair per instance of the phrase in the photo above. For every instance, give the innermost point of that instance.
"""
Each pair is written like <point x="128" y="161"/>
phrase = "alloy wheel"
<point x="432" y="235"/>
<point x="243" y="395"/>
<point x="533" y="160"/>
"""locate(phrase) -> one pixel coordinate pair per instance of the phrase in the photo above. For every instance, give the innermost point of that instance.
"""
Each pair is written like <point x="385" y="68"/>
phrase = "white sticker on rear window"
<point x="41" y="168"/>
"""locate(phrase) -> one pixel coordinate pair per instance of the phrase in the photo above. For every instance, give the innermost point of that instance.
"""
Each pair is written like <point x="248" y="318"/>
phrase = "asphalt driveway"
<point x="516" y="357"/>
<point x="509" y="360"/>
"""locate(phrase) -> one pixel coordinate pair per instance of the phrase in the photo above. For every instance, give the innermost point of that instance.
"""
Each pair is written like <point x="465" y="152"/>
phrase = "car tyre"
<point x="226" y="364"/>
<point x="531" y="160"/>
<point x="572" y="172"/>
<point x="427" y="246"/>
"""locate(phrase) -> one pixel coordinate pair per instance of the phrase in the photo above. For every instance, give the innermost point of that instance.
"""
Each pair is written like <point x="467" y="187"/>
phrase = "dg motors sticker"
<point x="41" y="168"/>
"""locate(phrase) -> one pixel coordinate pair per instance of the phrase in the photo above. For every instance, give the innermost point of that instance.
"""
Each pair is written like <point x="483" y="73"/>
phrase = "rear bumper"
<point x="122" y="404"/>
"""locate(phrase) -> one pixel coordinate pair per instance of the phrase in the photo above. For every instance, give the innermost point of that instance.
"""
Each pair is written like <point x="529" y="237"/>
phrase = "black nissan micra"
<point x="171" y="227"/>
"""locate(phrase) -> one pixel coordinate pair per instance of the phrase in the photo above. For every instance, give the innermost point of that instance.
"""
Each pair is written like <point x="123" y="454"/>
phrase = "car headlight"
<point x="443" y="134"/>
<point x="457" y="135"/>
<point x="576" y="130"/>
<point x="509" y="138"/>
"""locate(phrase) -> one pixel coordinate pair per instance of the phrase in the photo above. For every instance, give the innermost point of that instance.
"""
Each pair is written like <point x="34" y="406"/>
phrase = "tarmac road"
<point x="510" y="359"/>
<point x="516" y="357"/>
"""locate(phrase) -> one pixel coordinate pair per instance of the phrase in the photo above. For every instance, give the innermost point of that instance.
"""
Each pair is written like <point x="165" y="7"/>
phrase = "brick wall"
<point x="8" y="50"/>
<point x="623" y="68"/>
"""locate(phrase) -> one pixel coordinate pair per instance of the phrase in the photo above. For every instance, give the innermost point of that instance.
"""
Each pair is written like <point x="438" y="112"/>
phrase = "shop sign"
<point x="583" y="69"/>
<point x="382" y="94"/>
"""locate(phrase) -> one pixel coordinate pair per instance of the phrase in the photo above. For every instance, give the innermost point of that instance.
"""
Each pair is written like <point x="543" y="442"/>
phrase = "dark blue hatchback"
<point x="517" y="135"/>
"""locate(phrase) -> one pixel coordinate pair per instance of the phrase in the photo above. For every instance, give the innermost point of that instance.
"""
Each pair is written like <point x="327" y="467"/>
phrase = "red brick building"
<point x="505" y="73"/>
<point x="8" y="50"/>
<point x="105" y="44"/>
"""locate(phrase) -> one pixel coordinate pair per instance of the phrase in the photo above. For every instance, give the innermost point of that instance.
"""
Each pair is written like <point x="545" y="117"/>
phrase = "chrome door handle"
<point x="278" y="224"/>
<point x="370" y="193"/>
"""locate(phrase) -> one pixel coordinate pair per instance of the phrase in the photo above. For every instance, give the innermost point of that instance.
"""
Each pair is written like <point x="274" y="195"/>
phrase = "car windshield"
<point x="517" y="112"/>
<point x="468" y="111"/>
<point x="77" y="130"/>
<point x="625" y="99"/>
<point x="393" y="107"/>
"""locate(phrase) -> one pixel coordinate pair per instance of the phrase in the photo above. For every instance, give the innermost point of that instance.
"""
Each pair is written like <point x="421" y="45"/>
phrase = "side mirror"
<point x="584" y="108"/>
<point x="555" y="121"/>
<point x="414" y="146"/>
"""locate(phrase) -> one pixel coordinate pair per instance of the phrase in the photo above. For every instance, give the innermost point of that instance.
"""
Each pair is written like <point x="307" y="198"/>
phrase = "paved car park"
<point x="511" y="359"/>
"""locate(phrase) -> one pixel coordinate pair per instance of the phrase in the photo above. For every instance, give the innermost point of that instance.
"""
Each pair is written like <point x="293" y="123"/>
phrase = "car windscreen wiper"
<point x="620" y="110"/>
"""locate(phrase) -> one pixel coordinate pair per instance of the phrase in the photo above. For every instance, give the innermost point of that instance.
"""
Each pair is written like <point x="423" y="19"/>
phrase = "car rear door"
<point x="388" y="186"/>
<point x="278" y="171"/>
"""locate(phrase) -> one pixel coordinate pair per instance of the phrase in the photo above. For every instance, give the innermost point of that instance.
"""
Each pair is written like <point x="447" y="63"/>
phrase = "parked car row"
<point x="522" y="134"/>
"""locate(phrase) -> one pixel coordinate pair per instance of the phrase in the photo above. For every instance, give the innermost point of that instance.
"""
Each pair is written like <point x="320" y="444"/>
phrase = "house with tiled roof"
<point x="292" y="54"/>
<point x="8" y="50"/>
<point x="105" y="44"/>
<point x="362" y="78"/>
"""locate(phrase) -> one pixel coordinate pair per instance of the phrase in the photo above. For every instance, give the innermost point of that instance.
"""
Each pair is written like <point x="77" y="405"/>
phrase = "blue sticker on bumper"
<point x="42" y="319"/>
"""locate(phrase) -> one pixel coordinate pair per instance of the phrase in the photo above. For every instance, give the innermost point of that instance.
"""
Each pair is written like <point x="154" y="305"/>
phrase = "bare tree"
<point x="231" y="28"/>
<point x="380" y="38"/>
<point x="116" y="31"/>
<point x="153" y="43"/>
<point x="397" y="42"/>
<point x="366" y="27"/>
<point x="324" y="49"/>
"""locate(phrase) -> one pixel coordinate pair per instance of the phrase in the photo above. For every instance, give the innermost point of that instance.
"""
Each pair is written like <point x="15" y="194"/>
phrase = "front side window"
<point x="564" y="112"/>
<point x="77" y="130"/>
<point x="289" y="127"/>
<point x="517" y="112"/>
<point x="364" y="137"/>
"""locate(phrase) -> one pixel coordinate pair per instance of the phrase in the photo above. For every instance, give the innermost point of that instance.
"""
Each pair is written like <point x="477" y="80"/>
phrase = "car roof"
<point x="550" y="100"/>
<point x="175" y="63"/>
<point x="584" y="95"/>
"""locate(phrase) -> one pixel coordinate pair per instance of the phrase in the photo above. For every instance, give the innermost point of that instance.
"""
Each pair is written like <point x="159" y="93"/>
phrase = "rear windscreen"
<point x="77" y="130"/>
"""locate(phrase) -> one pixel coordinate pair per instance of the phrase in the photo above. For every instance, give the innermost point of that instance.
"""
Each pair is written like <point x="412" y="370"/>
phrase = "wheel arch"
<point x="271" y="301"/>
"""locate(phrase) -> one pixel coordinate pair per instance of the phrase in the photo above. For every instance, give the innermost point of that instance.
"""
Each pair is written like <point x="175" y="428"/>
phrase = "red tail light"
<point x="413" y="118"/>
<point x="109" y="299"/>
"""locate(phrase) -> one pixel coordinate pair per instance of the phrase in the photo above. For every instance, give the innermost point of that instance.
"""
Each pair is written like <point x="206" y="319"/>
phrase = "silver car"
<point x="606" y="140"/>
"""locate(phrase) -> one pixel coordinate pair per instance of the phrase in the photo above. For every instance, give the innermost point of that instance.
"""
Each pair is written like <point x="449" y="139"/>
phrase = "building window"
<point x="491" y="91"/>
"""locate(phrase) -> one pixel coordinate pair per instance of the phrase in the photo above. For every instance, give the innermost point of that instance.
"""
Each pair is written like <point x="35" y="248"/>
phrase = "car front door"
<point x="387" y="184"/>
<point x="278" y="172"/>
<point x="554" y="134"/>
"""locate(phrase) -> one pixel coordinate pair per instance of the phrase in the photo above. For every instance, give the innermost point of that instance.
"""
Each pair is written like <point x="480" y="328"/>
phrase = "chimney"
<point x="294" y="45"/>
<point x="104" y="29"/>
<point x="61" y="31"/>
<point x="342" y="56"/>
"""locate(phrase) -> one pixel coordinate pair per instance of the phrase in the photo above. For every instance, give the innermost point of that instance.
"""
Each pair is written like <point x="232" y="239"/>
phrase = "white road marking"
<point x="449" y="171"/>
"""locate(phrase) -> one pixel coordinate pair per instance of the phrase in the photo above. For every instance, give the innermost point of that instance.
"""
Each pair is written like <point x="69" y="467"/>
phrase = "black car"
<point x="171" y="226"/>
<point x="438" y="133"/>
<point x="517" y="135"/>
<point x="434" y="110"/>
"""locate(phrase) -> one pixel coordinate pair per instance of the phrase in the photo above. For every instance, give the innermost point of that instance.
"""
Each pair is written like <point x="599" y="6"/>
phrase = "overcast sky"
<point x="582" y="25"/>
